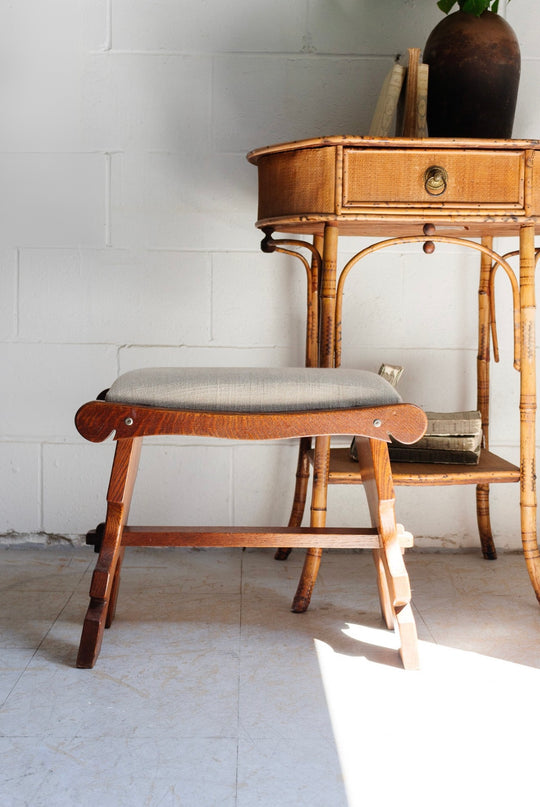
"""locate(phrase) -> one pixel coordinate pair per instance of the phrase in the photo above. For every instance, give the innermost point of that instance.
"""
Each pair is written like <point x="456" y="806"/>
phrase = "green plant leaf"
<point x="475" y="6"/>
<point x="446" y="5"/>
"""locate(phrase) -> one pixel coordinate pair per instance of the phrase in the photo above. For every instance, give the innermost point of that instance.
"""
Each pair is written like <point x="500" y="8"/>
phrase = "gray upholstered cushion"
<point x="252" y="389"/>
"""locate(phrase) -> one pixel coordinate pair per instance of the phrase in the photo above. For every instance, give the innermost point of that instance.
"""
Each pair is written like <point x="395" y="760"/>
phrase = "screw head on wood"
<point x="128" y="421"/>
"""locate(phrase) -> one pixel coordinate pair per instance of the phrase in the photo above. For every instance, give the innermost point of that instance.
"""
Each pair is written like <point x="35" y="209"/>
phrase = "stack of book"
<point x="450" y="438"/>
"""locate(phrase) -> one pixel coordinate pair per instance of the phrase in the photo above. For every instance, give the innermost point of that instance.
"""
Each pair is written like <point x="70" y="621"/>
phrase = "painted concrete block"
<point x="115" y="296"/>
<point x="176" y="484"/>
<point x="186" y="201"/>
<point x="270" y="99"/>
<point x="75" y="480"/>
<point x="148" y="101"/>
<point x="52" y="199"/>
<point x="271" y="309"/>
<point x="183" y="485"/>
<point x="390" y="299"/>
<point x="209" y="27"/>
<point x="43" y="90"/>
<point x="520" y="16"/>
<point x="132" y="357"/>
<point x="8" y="293"/>
<point x="20" y="482"/>
<point x="439" y="518"/>
<point x="263" y="479"/>
<point x="360" y="26"/>
<point x="526" y="122"/>
<point x="48" y="383"/>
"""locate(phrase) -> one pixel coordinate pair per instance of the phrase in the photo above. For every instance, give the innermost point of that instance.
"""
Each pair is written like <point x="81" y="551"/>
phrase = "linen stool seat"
<point x="255" y="404"/>
<point x="252" y="389"/>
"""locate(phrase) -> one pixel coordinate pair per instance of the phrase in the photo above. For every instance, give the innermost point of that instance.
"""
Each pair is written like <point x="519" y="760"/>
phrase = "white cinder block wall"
<point x="127" y="238"/>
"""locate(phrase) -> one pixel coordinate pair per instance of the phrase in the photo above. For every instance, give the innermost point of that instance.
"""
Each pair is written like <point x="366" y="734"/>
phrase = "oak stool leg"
<point x="111" y="610"/>
<point x="105" y="579"/>
<point x="393" y="579"/>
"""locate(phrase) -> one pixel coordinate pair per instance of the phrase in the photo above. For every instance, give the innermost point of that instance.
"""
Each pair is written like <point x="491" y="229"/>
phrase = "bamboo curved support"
<point x="419" y="239"/>
<point x="515" y="294"/>
<point x="313" y="272"/>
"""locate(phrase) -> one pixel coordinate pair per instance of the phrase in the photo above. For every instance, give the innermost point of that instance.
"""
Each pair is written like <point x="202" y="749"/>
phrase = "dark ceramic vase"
<point x="474" y="67"/>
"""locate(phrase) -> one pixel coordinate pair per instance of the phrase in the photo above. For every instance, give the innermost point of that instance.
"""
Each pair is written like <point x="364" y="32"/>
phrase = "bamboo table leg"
<point x="527" y="405"/>
<point x="482" y="370"/>
<point x="321" y="466"/>
<point x="303" y="471"/>
<point x="321" y="461"/>
<point x="327" y="325"/>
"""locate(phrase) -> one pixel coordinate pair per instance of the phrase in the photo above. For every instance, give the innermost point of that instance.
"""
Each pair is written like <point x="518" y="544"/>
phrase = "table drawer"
<point x="398" y="178"/>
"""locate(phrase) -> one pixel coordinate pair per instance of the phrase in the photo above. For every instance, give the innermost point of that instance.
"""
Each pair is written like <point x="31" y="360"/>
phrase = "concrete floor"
<point x="209" y="692"/>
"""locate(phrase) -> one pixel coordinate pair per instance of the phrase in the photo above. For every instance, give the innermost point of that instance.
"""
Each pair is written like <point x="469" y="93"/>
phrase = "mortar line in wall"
<point x="211" y="96"/>
<point x="40" y="488"/>
<point x="196" y="250"/>
<point x="108" y="198"/>
<point x="295" y="54"/>
<point x="211" y="298"/>
<point x="118" y="351"/>
<point x="17" y="291"/>
<point x="307" y="39"/>
<point x="247" y="348"/>
<point x="232" y="467"/>
<point x="107" y="45"/>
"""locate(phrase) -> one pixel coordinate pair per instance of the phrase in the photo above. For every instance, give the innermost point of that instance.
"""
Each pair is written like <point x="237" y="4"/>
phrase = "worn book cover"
<point x="450" y="423"/>
<point x="400" y="453"/>
<point x="382" y="124"/>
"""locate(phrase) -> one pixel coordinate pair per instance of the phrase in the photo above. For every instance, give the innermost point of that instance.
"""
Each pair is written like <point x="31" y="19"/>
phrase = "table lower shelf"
<point x="490" y="469"/>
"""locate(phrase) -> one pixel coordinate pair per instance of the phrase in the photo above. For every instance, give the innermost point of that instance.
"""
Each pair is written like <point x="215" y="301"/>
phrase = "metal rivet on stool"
<point x="377" y="423"/>
<point x="128" y="421"/>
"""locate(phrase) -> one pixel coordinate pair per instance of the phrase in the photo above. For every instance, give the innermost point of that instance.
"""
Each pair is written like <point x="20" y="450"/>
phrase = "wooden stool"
<point x="255" y="404"/>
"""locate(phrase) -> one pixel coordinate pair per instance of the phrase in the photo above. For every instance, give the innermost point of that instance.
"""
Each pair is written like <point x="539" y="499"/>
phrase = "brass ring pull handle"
<point x="435" y="180"/>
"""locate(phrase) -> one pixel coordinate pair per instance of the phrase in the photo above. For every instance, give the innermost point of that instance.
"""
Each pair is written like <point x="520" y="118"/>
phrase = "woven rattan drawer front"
<point x="395" y="178"/>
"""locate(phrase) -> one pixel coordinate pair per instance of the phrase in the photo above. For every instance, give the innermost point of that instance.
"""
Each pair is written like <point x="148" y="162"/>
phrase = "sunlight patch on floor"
<point x="462" y="730"/>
